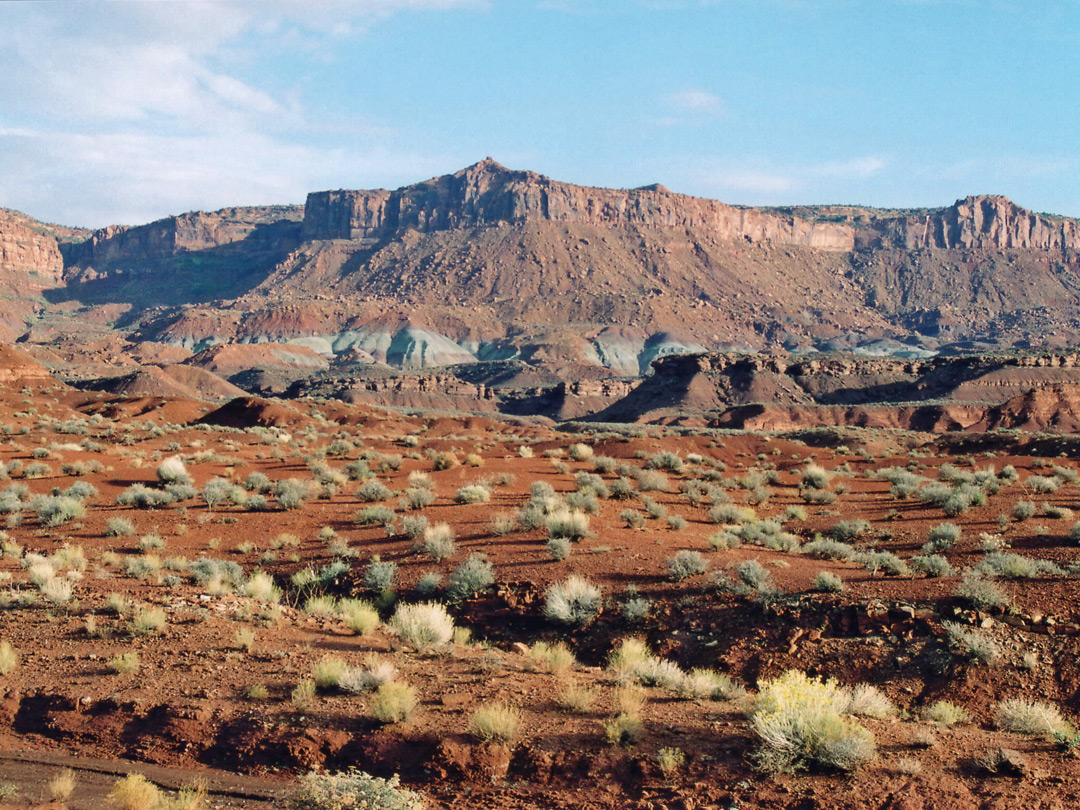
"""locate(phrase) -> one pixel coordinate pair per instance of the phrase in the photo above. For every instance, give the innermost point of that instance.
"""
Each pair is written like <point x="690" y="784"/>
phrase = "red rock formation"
<point x="489" y="194"/>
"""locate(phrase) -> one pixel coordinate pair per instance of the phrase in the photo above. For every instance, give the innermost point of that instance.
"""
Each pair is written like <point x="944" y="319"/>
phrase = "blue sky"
<point x="122" y="112"/>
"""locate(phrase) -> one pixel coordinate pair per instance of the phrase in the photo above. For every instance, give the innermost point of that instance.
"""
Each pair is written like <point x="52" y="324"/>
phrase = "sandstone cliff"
<point x="985" y="221"/>
<point x="118" y="245"/>
<point x="487" y="193"/>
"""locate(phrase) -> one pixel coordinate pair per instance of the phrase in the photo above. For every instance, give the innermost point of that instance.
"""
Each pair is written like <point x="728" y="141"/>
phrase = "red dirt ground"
<point x="186" y="709"/>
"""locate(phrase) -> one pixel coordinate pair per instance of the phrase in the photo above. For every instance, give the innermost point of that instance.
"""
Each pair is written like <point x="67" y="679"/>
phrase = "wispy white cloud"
<point x="768" y="180"/>
<point x="129" y="111"/>
<point x="694" y="100"/>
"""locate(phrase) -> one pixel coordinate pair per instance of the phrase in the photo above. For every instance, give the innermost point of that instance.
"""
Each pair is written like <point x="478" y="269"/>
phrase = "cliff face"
<point x="980" y="222"/>
<point x="489" y="194"/>
<point x="118" y="245"/>
<point x="25" y="251"/>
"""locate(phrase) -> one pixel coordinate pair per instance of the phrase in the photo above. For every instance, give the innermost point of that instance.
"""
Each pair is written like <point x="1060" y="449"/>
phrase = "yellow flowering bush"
<point x="800" y="722"/>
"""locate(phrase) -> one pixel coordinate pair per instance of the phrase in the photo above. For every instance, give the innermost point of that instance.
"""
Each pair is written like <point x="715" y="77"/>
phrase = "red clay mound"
<point x="174" y="410"/>
<point x="15" y="366"/>
<point x="204" y="384"/>
<point x="150" y="352"/>
<point x="1051" y="407"/>
<point x="227" y="359"/>
<point x="245" y="412"/>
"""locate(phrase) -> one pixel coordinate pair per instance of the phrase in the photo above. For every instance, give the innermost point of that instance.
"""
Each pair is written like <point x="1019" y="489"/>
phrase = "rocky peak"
<point x="488" y="193"/>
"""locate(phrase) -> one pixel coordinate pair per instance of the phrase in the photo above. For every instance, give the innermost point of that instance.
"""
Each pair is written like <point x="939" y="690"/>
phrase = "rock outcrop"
<point x="1032" y="392"/>
<point x="487" y="193"/>
<point x="978" y="222"/>
<point x="118" y="246"/>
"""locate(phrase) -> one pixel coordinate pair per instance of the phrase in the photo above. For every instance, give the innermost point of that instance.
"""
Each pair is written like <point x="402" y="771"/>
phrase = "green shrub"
<point x="971" y="644"/>
<point x="469" y="578"/>
<point x="799" y="722"/>
<point x="1015" y="566"/>
<point x="828" y="549"/>
<point x="815" y="477"/>
<point x="980" y="592"/>
<point x="379" y="575"/>
<point x="730" y="513"/>
<point x="1042" y="484"/>
<point x="291" y="493"/>
<point x="473" y="493"/>
<point x="353" y="789"/>
<point x="119" y="527"/>
<point x="571" y="525"/>
<point x="56" y="510"/>
<point x="828" y="582"/>
<point x="173" y="471"/>
<point x="415" y="498"/>
<point x="140" y="496"/>
<point x="375" y="516"/>
<point x="1023" y="510"/>
<point x="651" y="481"/>
<point x="847" y="530"/>
<point x="372" y="491"/>
<point x="685" y="564"/>
<point x="559" y="548"/>
<point x="933" y="565"/>
<point x="665" y="461"/>
<point x="575" y="602"/>
<point x="942" y="538"/>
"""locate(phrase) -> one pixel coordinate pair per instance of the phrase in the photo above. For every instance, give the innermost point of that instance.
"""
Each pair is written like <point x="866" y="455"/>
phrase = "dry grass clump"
<point x="555" y="658"/>
<point x="438" y="542"/>
<point x="425" y="626"/>
<point x="124" y="664"/>
<point x="147" y="621"/>
<point x="670" y="761"/>
<point x="577" y="698"/>
<point x="495" y="722"/>
<point x="303" y="694"/>
<point x="62" y="785"/>
<point x="327" y="672"/>
<point x="944" y="713"/>
<point x="626" y="726"/>
<point x="1034" y="719"/>
<point x="134" y="792"/>
<point x="393" y="702"/>
<point x="359" y="615"/>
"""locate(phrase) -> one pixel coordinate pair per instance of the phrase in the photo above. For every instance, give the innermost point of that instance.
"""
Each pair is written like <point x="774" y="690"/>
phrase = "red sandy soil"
<point x="186" y="709"/>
